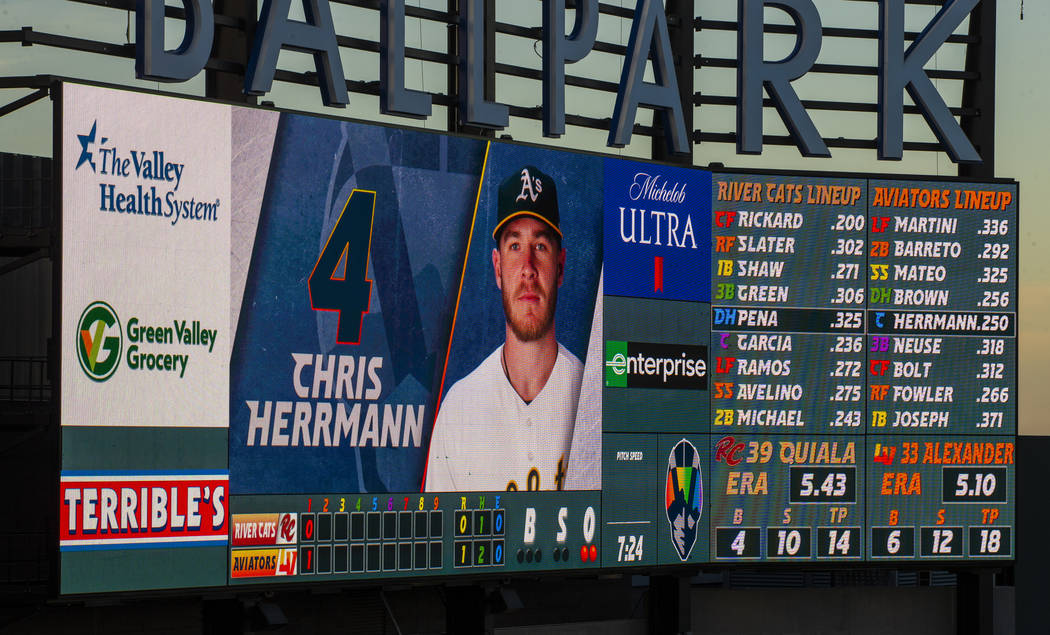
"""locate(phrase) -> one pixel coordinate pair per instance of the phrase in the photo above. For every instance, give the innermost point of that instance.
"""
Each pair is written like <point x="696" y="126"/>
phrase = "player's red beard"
<point x="529" y="327"/>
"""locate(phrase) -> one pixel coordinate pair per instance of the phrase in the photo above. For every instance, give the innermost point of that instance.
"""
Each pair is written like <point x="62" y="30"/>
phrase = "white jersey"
<point x="486" y="438"/>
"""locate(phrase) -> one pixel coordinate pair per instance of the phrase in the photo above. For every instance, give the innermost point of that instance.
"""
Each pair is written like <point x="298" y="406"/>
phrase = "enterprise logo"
<point x="646" y="365"/>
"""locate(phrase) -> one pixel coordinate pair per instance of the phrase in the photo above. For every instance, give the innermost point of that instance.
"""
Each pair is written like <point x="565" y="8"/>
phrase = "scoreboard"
<point x="321" y="381"/>
<point x="863" y="368"/>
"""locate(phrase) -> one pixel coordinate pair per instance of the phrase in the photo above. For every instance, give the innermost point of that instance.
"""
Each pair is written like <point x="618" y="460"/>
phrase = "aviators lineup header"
<point x="300" y="349"/>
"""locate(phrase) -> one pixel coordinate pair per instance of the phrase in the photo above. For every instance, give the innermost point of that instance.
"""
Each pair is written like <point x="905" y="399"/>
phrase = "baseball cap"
<point x="527" y="192"/>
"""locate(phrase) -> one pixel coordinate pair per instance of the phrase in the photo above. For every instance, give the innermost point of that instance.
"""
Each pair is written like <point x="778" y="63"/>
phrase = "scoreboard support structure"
<point x="470" y="607"/>
<point x="222" y="617"/>
<point x="670" y="607"/>
<point x="466" y="610"/>
<point x="975" y="602"/>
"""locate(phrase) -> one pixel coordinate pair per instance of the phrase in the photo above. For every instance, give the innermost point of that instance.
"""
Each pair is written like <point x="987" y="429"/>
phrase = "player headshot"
<point x="508" y="424"/>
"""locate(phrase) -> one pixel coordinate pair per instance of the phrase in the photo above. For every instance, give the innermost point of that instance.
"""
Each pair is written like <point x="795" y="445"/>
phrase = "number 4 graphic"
<point x="351" y="292"/>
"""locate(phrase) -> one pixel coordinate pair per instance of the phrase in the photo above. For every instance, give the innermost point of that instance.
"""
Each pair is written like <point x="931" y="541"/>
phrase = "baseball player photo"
<point x="508" y="423"/>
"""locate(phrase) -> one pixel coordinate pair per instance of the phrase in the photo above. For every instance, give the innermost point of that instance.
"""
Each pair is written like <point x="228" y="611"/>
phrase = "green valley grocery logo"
<point x="99" y="341"/>
<point x="652" y="365"/>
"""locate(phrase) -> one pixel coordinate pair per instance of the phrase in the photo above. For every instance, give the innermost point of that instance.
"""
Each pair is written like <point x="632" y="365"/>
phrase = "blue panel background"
<point x="426" y="186"/>
<point x="482" y="325"/>
<point x="629" y="266"/>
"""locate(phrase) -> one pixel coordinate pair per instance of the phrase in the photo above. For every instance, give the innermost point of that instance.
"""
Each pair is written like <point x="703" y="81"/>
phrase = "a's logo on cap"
<point x="530" y="187"/>
<point x="527" y="191"/>
<point x="99" y="341"/>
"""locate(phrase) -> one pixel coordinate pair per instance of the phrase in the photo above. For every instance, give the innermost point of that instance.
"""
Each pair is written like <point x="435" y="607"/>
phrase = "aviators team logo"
<point x="99" y="341"/>
<point x="684" y="496"/>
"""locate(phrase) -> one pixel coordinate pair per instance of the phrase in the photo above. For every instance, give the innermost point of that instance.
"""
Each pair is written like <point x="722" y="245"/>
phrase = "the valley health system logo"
<point x="99" y="341"/>
<point x="143" y="182"/>
<point x="684" y="496"/>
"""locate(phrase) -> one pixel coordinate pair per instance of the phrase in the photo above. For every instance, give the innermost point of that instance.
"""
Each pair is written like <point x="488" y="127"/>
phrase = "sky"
<point x="1022" y="134"/>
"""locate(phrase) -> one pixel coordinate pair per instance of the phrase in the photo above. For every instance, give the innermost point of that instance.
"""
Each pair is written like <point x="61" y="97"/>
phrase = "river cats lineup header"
<point x="303" y="350"/>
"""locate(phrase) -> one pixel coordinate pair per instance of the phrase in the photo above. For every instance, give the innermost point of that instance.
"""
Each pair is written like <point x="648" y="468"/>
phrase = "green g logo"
<point x="99" y="341"/>
<point x="616" y="364"/>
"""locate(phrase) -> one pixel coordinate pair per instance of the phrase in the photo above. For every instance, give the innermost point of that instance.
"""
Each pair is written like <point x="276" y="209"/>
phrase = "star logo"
<point x="86" y="141"/>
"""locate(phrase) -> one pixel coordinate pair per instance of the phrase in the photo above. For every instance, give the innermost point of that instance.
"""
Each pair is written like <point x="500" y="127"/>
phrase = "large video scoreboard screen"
<point x="297" y="349"/>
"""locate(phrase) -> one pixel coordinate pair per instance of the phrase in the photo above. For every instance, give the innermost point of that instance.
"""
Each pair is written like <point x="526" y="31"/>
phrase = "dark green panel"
<point x="650" y="321"/>
<point x="142" y="569"/>
<point x="120" y="448"/>
<point x="632" y="479"/>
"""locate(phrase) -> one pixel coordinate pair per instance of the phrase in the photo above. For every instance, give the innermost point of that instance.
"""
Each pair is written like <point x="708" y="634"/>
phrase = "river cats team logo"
<point x="684" y="496"/>
<point x="99" y="341"/>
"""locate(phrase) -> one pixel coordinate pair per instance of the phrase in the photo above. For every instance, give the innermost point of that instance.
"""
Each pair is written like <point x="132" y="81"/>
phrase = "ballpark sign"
<point x="899" y="69"/>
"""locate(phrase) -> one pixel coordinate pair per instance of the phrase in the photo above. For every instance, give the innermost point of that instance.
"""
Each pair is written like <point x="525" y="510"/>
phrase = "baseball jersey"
<point x="486" y="438"/>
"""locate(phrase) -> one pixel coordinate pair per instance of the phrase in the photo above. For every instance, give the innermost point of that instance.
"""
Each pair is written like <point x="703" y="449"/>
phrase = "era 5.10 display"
<point x="302" y="350"/>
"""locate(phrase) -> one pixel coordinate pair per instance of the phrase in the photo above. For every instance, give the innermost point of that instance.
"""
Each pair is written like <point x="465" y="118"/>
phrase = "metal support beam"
<point x="454" y="33"/>
<point x="232" y="45"/>
<point x="23" y="101"/>
<point x="680" y="28"/>
<point x="224" y="617"/>
<point x="466" y="611"/>
<point x="669" y="605"/>
<point x="975" y="603"/>
<point x="23" y="261"/>
<point x="979" y="93"/>
<point x="451" y="72"/>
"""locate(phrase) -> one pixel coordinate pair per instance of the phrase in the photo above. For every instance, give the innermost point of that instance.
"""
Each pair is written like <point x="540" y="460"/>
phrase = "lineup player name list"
<point x="844" y="305"/>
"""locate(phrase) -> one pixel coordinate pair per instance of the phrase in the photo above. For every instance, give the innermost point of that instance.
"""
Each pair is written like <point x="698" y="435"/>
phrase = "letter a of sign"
<point x="315" y="36"/>
<point x="649" y="36"/>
